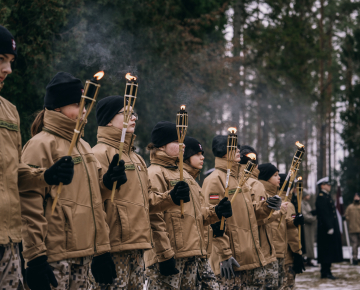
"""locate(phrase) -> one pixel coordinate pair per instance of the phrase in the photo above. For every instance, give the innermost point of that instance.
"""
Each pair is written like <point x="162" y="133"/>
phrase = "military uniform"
<point x="329" y="246"/>
<point x="352" y="215"/>
<point x="10" y="267"/>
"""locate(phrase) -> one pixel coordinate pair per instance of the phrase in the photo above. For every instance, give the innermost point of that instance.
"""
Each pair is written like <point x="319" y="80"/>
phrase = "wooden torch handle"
<point x="181" y="160"/>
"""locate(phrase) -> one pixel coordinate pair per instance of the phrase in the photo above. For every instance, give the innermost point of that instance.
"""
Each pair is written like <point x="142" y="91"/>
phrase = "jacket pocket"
<point x="68" y="228"/>
<point x="124" y="223"/>
<point x="178" y="232"/>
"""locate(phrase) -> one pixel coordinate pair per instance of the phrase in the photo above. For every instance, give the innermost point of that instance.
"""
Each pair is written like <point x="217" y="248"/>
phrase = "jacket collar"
<point x="221" y="164"/>
<point x="58" y="124"/>
<point x="270" y="188"/>
<point x="164" y="160"/>
<point x="191" y="170"/>
<point x="111" y="136"/>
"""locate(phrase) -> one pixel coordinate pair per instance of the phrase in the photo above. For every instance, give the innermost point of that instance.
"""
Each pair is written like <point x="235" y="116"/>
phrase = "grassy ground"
<point x="349" y="278"/>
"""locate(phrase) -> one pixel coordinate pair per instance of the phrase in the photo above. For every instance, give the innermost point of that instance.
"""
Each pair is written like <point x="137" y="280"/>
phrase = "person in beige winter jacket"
<point x="59" y="247"/>
<point x="270" y="178"/>
<point x="128" y="216"/>
<point x="259" y="196"/>
<point x="178" y="241"/>
<point x="352" y="215"/>
<point x="16" y="175"/>
<point x="237" y="258"/>
<point x="193" y="163"/>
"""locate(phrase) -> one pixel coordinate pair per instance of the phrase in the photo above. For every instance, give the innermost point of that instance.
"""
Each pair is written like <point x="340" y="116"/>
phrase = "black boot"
<point x="355" y="262"/>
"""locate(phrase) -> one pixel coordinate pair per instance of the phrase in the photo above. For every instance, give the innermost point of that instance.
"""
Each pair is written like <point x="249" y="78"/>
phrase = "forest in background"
<point x="281" y="71"/>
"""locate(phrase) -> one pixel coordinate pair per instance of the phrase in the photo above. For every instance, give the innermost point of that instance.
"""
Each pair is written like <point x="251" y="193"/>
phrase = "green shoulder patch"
<point x="9" y="126"/>
<point x="129" y="166"/>
<point x="174" y="181"/>
<point x="77" y="160"/>
<point x="33" y="166"/>
<point x="232" y="191"/>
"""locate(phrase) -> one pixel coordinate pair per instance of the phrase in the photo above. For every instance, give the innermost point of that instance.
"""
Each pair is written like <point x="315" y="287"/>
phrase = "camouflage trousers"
<point x="272" y="275"/>
<point x="72" y="274"/>
<point x="206" y="276"/>
<point x="245" y="280"/>
<point x="10" y="267"/>
<point x="129" y="271"/>
<point x="289" y="281"/>
<point x="186" y="279"/>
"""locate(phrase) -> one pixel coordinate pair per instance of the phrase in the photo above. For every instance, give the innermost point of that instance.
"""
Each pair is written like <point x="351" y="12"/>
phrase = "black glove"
<point x="216" y="229"/>
<point x="226" y="268"/>
<point x="167" y="267"/>
<point x="313" y="212"/>
<point x="298" y="264"/>
<point x="61" y="171"/>
<point x="223" y="209"/>
<point x="39" y="274"/>
<point x="274" y="202"/>
<point x="299" y="220"/>
<point x="115" y="173"/>
<point x="181" y="191"/>
<point x="103" y="269"/>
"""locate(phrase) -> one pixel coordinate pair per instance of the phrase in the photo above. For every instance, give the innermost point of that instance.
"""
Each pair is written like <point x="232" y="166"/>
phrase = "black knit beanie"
<point x="244" y="150"/>
<point x="266" y="171"/>
<point x="62" y="90"/>
<point x="107" y="108"/>
<point x="282" y="179"/>
<point x="7" y="42"/>
<point x="192" y="147"/>
<point x="163" y="133"/>
<point x="219" y="145"/>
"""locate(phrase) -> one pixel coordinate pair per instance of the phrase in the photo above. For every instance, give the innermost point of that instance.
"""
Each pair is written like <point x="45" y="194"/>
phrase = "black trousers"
<point x="325" y="269"/>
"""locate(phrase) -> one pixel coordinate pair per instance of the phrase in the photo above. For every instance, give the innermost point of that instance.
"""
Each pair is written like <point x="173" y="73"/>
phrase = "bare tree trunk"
<point x="306" y="143"/>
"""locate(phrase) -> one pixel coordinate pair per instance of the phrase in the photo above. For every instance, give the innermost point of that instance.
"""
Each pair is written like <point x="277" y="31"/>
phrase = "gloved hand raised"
<point x="39" y="274"/>
<point x="103" y="269"/>
<point x="226" y="268"/>
<point x="216" y="229"/>
<point x="115" y="173"/>
<point x="274" y="202"/>
<point x="181" y="191"/>
<point x="61" y="171"/>
<point x="298" y="264"/>
<point x="223" y="209"/>
<point x="167" y="267"/>
<point x="299" y="220"/>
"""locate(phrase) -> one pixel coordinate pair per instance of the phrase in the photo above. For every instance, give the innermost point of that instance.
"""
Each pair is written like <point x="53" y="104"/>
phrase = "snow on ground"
<point x="349" y="278"/>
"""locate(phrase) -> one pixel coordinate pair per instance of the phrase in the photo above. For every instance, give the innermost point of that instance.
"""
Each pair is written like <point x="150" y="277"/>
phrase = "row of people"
<point x="90" y="241"/>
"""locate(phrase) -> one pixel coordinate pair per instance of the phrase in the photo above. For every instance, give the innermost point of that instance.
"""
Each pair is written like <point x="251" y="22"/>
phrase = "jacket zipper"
<point x="91" y="200"/>
<point x="252" y="234"/>
<point x="196" y="222"/>
<point x="142" y="190"/>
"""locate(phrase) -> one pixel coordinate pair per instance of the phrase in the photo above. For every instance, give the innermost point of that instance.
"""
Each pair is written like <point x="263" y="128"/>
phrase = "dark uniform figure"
<point x="329" y="245"/>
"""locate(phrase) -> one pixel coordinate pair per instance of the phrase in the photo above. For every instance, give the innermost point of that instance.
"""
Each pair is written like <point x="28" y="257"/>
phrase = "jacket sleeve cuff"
<point x="212" y="217"/>
<point x="226" y="255"/>
<point x="166" y="255"/>
<point x="34" y="252"/>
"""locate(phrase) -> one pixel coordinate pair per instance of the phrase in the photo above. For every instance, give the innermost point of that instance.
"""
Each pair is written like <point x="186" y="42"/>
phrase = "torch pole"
<point x="181" y="165"/>
<point x="247" y="171"/>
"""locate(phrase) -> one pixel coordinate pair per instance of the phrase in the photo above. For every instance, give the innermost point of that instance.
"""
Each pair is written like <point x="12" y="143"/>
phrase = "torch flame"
<point x="182" y="107"/>
<point x="129" y="77"/>
<point x="99" y="75"/>
<point x="298" y="144"/>
<point x="252" y="156"/>
<point x="299" y="178"/>
<point x="232" y="130"/>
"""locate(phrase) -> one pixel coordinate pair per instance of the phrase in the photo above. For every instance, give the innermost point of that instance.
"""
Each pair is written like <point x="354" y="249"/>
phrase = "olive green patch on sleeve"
<point x="232" y="191"/>
<point x="129" y="166"/>
<point x="175" y="181"/>
<point x="9" y="126"/>
<point x="77" y="160"/>
<point x="33" y="166"/>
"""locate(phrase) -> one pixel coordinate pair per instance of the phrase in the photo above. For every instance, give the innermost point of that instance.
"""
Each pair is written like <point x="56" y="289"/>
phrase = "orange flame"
<point x="252" y="156"/>
<point x="298" y="144"/>
<point x="129" y="77"/>
<point x="99" y="75"/>
<point x="232" y="130"/>
<point x="182" y="107"/>
<point x="299" y="178"/>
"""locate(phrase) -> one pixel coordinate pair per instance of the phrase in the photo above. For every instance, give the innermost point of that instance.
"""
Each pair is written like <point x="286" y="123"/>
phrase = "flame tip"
<point x="99" y="75"/>
<point x="252" y="156"/>
<point x="232" y="130"/>
<point x="298" y="144"/>
<point x="129" y="77"/>
<point x="299" y="178"/>
<point x="182" y="107"/>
